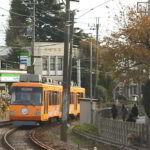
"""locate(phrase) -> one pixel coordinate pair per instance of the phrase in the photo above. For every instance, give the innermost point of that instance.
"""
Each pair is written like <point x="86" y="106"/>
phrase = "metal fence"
<point x="124" y="133"/>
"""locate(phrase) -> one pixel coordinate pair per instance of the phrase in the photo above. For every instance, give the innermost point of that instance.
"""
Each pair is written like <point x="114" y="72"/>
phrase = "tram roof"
<point x="47" y="86"/>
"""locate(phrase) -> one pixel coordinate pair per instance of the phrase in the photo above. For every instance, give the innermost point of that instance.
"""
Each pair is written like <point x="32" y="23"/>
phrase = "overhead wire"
<point x="14" y="12"/>
<point x="42" y="22"/>
<point x="60" y="30"/>
<point x="93" y="9"/>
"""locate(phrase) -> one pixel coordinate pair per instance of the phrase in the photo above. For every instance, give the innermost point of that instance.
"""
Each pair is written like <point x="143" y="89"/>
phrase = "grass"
<point x="91" y="129"/>
<point x="82" y="142"/>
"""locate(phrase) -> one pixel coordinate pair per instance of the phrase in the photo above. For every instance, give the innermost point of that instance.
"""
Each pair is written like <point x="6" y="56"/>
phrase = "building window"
<point x="52" y="63"/>
<point x="60" y="63"/>
<point x="45" y="63"/>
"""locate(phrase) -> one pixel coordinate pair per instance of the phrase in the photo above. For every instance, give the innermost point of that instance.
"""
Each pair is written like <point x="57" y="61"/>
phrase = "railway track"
<point x="24" y="138"/>
<point x="4" y="127"/>
<point x="32" y="138"/>
<point x="19" y="138"/>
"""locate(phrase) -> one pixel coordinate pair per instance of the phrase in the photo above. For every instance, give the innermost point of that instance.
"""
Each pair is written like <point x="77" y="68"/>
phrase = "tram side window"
<point x="58" y="98"/>
<point x="50" y="97"/>
<point x="71" y="99"/>
<point x="78" y="97"/>
<point x="54" y="98"/>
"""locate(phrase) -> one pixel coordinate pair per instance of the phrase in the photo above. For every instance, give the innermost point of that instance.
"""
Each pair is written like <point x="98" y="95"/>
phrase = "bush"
<point x="101" y="93"/>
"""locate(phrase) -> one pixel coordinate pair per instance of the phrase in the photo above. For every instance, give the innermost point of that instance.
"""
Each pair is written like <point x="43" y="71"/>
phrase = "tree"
<point x="17" y="24"/>
<point x="105" y="81"/>
<point x="49" y="24"/>
<point x="101" y="93"/>
<point x="128" y="50"/>
<point x="49" y="21"/>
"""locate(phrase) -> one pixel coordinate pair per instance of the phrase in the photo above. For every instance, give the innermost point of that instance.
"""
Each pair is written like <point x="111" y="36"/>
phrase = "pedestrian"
<point x="131" y="118"/>
<point x="124" y="112"/>
<point x="134" y="111"/>
<point x="114" y="111"/>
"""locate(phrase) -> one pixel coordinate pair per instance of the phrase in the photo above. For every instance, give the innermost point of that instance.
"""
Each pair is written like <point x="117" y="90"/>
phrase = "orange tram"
<point x="32" y="103"/>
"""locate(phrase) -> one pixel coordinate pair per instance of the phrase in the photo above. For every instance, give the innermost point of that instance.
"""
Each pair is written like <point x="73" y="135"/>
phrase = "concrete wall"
<point x="85" y="112"/>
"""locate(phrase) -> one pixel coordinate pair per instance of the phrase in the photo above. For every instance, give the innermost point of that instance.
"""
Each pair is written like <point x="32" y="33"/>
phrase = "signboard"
<point x="9" y="77"/>
<point x="23" y="59"/>
<point x="23" y="66"/>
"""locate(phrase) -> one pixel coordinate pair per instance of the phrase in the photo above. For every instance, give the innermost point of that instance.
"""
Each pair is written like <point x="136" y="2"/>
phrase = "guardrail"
<point x="125" y="133"/>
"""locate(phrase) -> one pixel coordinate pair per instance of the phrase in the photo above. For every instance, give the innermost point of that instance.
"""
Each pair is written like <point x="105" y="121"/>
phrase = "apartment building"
<point x="48" y="59"/>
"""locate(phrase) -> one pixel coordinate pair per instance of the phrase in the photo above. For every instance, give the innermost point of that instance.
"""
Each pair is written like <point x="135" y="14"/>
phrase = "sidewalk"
<point x="141" y="120"/>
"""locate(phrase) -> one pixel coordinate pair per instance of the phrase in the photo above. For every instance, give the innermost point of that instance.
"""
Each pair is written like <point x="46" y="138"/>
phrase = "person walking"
<point x="124" y="112"/>
<point x="134" y="111"/>
<point x="114" y="111"/>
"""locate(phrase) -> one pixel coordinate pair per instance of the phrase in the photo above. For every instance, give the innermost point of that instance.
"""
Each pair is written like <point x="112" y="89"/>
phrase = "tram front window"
<point x="26" y="96"/>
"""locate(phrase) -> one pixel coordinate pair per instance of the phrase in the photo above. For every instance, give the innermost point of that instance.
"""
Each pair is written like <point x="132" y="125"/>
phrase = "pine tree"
<point x="49" y="24"/>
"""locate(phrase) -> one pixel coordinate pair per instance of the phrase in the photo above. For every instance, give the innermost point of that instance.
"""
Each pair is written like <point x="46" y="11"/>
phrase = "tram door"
<point x="45" y="102"/>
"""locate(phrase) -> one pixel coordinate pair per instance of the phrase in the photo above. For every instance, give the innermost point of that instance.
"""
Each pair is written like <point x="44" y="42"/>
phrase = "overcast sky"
<point x="105" y="10"/>
<point x="87" y="11"/>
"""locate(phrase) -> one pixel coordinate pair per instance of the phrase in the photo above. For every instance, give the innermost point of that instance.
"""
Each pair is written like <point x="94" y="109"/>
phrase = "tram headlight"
<point x="38" y="113"/>
<point x="12" y="113"/>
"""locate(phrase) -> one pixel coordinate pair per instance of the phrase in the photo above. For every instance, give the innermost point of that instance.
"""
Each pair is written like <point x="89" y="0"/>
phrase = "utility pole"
<point x="63" y="135"/>
<point x="78" y="73"/>
<point x="33" y="35"/>
<point x="91" y="97"/>
<point x="33" y="39"/>
<point x="70" y="56"/>
<point x="96" y="27"/>
<point x="71" y="47"/>
<point x="97" y="39"/>
<point x="148" y="7"/>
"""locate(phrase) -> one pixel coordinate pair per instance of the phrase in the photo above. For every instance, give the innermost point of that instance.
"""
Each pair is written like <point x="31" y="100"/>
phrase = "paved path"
<point x="141" y="119"/>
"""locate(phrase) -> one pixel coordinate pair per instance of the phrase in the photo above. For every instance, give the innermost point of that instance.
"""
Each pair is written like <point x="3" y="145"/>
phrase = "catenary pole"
<point x="71" y="48"/>
<point x="97" y="39"/>
<point x="33" y="40"/>
<point x="148" y="7"/>
<point x="70" y="56"/>
<point x="91" y="93"/>
<point x="63" y="135"/>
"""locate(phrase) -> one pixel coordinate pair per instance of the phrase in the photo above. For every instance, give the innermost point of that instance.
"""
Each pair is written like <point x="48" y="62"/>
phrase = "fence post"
<point x="148" y="137"/>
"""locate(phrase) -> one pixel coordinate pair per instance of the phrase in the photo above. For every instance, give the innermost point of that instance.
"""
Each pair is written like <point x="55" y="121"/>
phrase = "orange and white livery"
<point x="32" y="102"/>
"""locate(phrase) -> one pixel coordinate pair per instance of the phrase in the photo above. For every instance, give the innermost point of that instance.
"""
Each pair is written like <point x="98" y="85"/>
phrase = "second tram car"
<point x="32" y="102"/>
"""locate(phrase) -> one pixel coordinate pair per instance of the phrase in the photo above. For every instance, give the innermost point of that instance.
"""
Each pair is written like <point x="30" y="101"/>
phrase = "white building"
<point x="48" y="59"/>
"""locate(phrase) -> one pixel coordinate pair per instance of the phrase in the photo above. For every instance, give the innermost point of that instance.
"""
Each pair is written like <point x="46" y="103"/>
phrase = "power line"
<point x="14" y="12"/>
<point x="60" y="30"/>
<point x="93" y="9"/>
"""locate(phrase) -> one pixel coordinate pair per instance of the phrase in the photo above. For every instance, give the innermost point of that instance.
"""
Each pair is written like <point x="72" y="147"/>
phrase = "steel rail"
<point x="7" y="144"/>
<point x="37" y="142"/>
